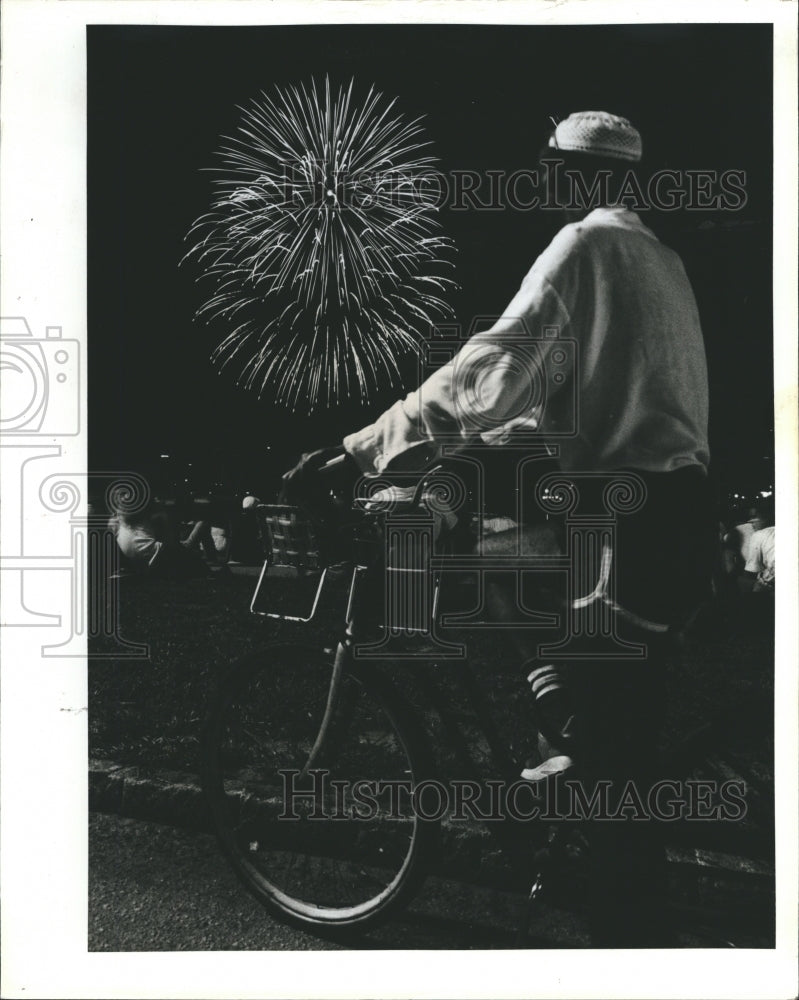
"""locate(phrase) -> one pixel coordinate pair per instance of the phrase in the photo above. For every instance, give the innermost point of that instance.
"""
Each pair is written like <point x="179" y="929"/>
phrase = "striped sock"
<point x="545" y="678"/>
<point x="553" y="709"/>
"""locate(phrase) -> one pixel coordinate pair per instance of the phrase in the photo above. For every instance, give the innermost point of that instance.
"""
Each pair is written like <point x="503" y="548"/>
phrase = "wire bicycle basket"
<point x="299" y="555"/>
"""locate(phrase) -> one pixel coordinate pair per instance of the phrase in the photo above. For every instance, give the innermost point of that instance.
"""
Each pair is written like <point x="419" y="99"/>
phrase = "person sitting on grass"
<point x="145" y="541"/>
<point x="140" y="535"/>
<point x="207" y="531"/>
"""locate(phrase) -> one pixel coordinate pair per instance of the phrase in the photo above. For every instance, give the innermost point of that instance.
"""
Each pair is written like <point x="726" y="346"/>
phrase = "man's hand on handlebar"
<point x="316" y="476"/>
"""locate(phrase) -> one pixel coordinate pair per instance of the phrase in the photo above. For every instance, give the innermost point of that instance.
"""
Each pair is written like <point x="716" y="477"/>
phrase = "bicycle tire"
<point x="243" y="799"/>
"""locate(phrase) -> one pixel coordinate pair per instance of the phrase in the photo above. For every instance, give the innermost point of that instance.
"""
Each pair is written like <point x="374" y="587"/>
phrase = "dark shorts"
<point x="653" y="565"/>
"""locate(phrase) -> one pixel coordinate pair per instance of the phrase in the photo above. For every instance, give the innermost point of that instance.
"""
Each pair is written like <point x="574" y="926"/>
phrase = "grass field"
<point x="149" y="711"/>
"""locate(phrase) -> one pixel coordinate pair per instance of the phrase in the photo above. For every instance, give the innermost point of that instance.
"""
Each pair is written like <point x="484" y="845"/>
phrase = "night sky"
<point x="161" y="97"/>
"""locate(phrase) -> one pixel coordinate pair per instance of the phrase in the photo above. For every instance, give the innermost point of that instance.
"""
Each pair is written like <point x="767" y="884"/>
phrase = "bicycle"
<point x="293" y="720"/>
<point x="301" y="740"/>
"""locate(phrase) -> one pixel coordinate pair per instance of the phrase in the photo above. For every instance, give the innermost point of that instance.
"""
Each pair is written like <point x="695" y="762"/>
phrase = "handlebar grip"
<point x="334" y="463"/>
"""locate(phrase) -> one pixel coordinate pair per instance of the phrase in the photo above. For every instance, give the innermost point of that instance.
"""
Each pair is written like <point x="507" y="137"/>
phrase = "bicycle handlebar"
<point x="424" y="476"/>
<point x="334" y="463"/>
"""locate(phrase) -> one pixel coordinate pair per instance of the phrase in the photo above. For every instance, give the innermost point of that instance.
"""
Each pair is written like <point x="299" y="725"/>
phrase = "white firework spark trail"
<point x="322" y="247"/>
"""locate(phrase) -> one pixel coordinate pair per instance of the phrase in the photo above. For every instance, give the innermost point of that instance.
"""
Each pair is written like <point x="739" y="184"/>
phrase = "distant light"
<point x="165" y="456"/>
<point x="765" y="493"/>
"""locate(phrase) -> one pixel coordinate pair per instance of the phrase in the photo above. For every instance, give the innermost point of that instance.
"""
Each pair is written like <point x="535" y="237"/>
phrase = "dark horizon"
<point x="159" y="98"/>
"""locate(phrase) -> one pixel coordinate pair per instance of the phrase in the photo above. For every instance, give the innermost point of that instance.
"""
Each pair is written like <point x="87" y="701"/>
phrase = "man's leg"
<point x="553" y="708"/>
<point x="663" y="555"/>
<point x="604" y="715"/>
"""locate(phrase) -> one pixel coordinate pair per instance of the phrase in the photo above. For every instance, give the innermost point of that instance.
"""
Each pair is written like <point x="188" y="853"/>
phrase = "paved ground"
<point x="157" y="888"/>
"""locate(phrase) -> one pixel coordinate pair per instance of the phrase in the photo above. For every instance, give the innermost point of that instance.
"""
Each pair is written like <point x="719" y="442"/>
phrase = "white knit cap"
<point x="598" y="133"/>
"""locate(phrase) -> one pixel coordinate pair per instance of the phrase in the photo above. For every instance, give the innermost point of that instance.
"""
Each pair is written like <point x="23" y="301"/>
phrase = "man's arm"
<point x="492" y="381"/>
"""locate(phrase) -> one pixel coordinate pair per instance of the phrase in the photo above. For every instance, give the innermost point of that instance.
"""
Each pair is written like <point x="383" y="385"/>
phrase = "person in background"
<point x="760" y="563"/>
<point x="736" y="549"/>
<point x="140" y="536"/>
<point x="149" y="546"/>
<point x="209" y="531"/>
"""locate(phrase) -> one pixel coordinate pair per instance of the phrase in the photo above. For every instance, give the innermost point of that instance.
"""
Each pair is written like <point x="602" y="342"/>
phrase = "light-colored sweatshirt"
<point x="600" y="351"/>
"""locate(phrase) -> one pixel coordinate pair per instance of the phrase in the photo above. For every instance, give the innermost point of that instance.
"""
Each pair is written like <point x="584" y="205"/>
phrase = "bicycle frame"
<point x="294" y="545"/>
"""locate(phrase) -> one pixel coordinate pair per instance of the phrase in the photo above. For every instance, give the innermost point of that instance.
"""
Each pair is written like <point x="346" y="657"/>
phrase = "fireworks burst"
<point x="322" y="247"/>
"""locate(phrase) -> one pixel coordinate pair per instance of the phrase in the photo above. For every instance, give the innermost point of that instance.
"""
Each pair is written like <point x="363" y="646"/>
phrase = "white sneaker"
<point x="548" y="768"/>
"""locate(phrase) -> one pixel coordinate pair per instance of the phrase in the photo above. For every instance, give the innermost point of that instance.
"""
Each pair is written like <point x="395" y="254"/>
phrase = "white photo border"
<point x="44" y="700"/>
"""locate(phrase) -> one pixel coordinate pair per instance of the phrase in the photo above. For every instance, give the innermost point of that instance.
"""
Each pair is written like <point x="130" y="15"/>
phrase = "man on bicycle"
<point x="640" y="381"/>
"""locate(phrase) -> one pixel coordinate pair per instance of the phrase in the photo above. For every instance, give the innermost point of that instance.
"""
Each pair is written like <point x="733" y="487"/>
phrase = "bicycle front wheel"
<point x="328" y="840"/>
